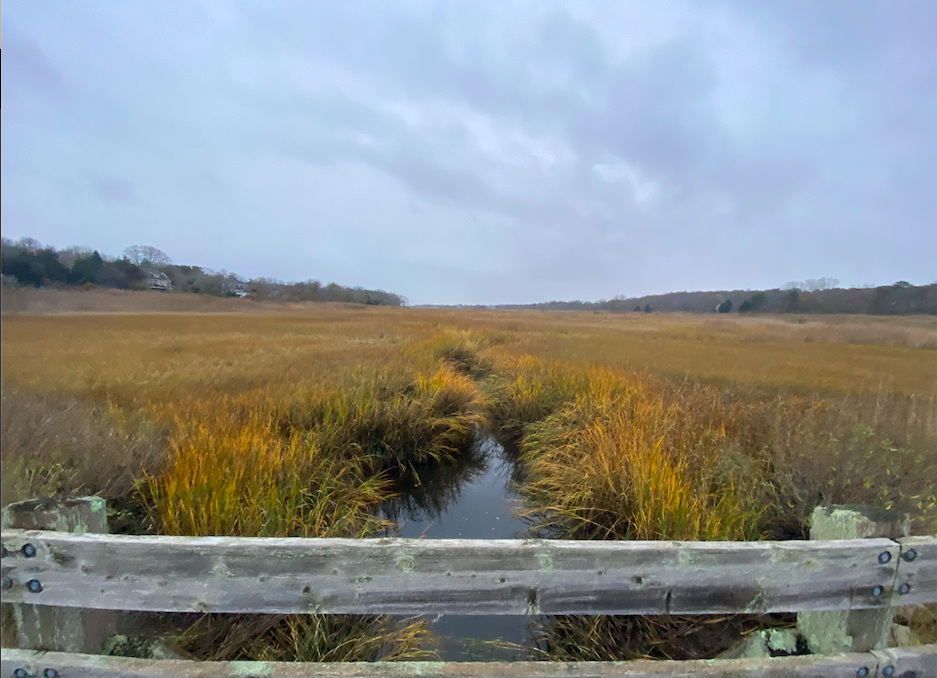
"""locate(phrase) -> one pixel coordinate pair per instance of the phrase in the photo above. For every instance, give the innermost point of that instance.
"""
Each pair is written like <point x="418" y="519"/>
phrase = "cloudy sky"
<point x="481" y="152"/>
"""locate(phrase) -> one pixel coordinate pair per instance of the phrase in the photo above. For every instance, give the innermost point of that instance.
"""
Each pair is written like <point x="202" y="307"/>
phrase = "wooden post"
<point x="59" y="629"/>
<point x="838" y="631"/>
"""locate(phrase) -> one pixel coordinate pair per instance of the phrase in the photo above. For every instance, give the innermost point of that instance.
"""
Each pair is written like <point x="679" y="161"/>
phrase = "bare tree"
<point x="815" y="285"/>
<point x="68" y="256"/>
<point x="139" y="254"/>
<point x="28" y="244"/>
<point x="812" y="284"/>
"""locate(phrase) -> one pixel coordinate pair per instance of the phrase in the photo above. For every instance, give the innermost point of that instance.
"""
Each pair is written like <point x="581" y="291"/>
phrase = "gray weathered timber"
<point x="852" y="630"/>
<point x="78" y="515"/>
<point x="917" y="572"/>
<point x="411" y="576"/>
<point x="907" y="662"/>
<point x="859" y="522"/>
<point x="41" y="627"/>
<point x="841" y="666"/>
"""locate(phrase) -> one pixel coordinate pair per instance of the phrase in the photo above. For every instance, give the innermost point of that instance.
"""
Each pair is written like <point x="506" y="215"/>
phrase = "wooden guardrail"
<point x="864" y="578"/>
<point x="448" y="576"/>
<point x="919" y="662"/>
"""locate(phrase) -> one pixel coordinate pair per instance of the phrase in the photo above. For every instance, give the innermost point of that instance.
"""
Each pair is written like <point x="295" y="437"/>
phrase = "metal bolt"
<point x="863" y="671"/>
<point x="50" y="673"/>
<point x="904" y="589"/>
<point x="884" y="557"/>
<point x="29" y="550"/>
<point x="909" y="555"/>
<point x="888" y="670"/>
<point x="34" y="586"/>
<point x="20" y="673"/>
<point x="877" y="590"/>
<point x="6" y="583"/>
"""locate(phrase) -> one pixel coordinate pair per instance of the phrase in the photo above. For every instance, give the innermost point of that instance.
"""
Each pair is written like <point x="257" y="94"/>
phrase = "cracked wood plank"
<point x="408" y="576"/>
<point x="916" y="582"/>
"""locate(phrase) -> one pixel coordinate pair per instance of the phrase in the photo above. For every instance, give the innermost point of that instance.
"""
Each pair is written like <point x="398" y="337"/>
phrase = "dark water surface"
<point x="472" y="499"/>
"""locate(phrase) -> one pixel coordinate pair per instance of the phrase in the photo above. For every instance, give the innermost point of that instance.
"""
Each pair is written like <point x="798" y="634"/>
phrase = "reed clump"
<point x="672" y="637"/>
<point x="610" y="454"/>
<point x="304" y="422"/>
<point x="463" y="350"/>
<point x="525" y="390"/>
<point x="307" y="638"/>
<point x="55" y="445"/>
<point x="389" y="418"/>
<point x="237" y="476"/>
<point x="618" y="462"/>
<point x="310" y="460"/>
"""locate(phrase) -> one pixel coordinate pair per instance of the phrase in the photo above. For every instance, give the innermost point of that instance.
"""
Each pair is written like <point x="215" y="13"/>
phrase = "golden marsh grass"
<point x="293" y="420"/>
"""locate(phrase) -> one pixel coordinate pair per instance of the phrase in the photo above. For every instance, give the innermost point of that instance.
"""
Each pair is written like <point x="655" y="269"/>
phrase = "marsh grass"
<point x="611" y="454"/>
<point x="608" y="454"/>
<point x="615" y="461"/>
<point x="303" y="423"/>
<point x="236" y="476"/>
<point x="616" y="638"/>
<point x="392" y="418"/>
<point x="307" y="638"/>
<point x="51" y="445"/>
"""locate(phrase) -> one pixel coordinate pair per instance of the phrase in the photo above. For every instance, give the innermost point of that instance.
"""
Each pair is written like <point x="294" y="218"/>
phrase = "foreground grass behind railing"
<point x="307" y="464"/>
<point x="272" y="429"/>
<point x="612" y="638"/>
<point x="235" y="475"/>
<point x="614" y="463"/>
<point x="307" y="638"/>
<point x="777" y="455"/>
<point x="309" y="461"/>
<point x="610" y="455"/>
<point x="393" y="419"/>
<point x="57" y="445"/>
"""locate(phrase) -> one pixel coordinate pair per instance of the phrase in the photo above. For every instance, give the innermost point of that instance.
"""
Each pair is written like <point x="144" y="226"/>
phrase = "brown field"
<point x="856" y="354"/>
<point x="225" y="416"/>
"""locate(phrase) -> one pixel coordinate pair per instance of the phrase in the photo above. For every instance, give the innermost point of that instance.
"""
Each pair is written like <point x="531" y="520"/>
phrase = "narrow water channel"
<point x="472" y="499"/>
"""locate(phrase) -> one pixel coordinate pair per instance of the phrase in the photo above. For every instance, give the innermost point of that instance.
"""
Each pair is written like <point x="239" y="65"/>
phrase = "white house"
<point x="158" y="281"/>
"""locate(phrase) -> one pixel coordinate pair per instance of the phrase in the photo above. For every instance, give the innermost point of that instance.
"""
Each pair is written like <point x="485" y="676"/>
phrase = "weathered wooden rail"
<point x="904" y="663"/>
<point x="445" y="576"/>
<point x="858" y="581"/>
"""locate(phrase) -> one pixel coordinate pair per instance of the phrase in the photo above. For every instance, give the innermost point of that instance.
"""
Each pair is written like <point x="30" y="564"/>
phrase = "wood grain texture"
<point x="845" y="666"/>
<point x="908" y="662"/>
<point x="918" y="575"/>
<point x="406" y="576"/>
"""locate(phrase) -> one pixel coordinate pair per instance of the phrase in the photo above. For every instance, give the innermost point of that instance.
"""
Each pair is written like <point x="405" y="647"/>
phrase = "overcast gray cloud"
<point x="481" y="152"/>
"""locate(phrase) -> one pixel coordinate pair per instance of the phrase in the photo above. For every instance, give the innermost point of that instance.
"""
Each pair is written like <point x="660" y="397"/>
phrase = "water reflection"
<point x="473" y="498"/>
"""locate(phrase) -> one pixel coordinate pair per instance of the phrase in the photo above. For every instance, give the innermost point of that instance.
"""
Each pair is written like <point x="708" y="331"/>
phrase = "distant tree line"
<point x="28" y="263"/>
<point x="313" y="290"/>
<point x="817" y="296"/>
